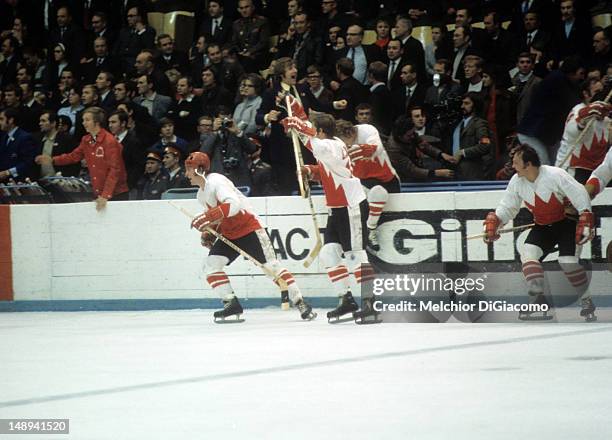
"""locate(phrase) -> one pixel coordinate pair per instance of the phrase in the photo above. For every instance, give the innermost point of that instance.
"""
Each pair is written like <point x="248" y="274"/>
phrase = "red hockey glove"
<point x="491" y="225"/>
<point x="300" y="126"/>
<point x="296" y="108"/>
<point x="202" y="221"/>
<point x="207" y="239"/>
<point x="585" y="230"/>
<point x="311" y="172"/>
<point x="597" y="109"/>
<point x="361" y="151"/>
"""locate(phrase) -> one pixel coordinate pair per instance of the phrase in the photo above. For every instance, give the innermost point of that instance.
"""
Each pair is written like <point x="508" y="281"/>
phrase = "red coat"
<point x="104" y="161"/>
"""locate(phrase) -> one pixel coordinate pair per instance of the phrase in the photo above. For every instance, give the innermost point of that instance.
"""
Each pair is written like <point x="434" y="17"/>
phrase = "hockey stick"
<point x="582" y="134"/>
<point x="305" y="191"/>
<point x="276" y="278"/>
<point x="502" y="231"/>
<point x="609" y="256"/>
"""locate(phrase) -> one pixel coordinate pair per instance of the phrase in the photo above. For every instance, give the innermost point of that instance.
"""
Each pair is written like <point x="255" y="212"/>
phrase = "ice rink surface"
<point x="177" y="375"/>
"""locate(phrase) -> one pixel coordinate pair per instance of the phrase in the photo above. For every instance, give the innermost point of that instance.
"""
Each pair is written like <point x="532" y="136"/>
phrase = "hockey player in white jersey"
<point x="345" y="234"/>
<point x="228" y="211"/>
<point x="601" y="176"/>
<point x="371" y="164"/>
<point x="586" y="138"/>
<point x="544" y="190"/>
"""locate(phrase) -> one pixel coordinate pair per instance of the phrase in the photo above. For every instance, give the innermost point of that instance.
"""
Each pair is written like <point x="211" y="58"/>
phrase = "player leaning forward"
<point x="229" y="213"/>
<point x="346" y="231"/>
<point x="544" y="189"/>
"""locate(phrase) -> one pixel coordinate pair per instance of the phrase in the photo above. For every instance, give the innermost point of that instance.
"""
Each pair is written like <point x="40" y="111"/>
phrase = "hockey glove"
<point x="597" y="109"/>
<point x="585" y="230"/>
<point x="296" y="108"/>
<point x="207" y="239"/>
<point x="312" y="172"/>
<point x="491" y="225"/>
<point x="210" y="217"/>
<point x="302" y="127"/>
<point x="361" y="151"/>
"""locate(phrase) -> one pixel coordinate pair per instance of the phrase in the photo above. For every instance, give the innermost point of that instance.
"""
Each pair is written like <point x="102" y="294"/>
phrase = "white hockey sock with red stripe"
<point x="220" y="284"/>
<point x="534" y="276"/>
<point x="339" y="276"/>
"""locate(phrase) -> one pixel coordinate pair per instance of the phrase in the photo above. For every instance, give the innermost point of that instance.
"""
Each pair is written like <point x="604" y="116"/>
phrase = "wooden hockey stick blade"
<point x="314" y="253"/>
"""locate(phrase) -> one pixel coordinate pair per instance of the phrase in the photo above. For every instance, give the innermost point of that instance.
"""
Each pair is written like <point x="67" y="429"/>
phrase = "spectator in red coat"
<point x="102" y="152"/>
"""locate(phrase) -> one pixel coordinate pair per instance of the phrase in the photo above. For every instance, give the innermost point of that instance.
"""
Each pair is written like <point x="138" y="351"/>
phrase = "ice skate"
<point x="588" y="310"/>
<point x="305" y="310"/>
<point x="367" y="314"/>
<point x="285" y="305"/>
<point x="373" y="240"/>
<point x="232" y="310"/>
<point x="540" y="315"/>
<point x="347" y="305"/>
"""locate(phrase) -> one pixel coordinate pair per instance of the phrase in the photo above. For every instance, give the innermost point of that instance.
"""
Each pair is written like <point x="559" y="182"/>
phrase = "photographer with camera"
<point x="229" y="149"/>
<point x="443" y="102"/>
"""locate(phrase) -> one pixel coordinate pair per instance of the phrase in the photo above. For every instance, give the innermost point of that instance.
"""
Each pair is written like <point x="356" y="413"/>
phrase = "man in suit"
<point x="414" y="52"/>
<point x="102" y="60"/>
<point x="133" y="152"/>
<point x="348" y="92"/>
<point x="304" y="46"/>
<point x="462" y="38"/>
<point x="216" y="28"/>
<point x="145" y="65"/>
<point x="104" y="84"/>
<point x="361" y="55"/>
<point x="380" y="97"/>
<point x="99" y="28"/>
<point x="51" y="142"/>
<point x="17" y="149"/>
<point x="169" y="58"/>
<point x="185" y="109"/>
<point x="157" y="105"/>
<point x="8" y="66"/>
<point x="500" y="46"/>
<point x="68" y="34"/>
<point x="411" y="94"/>
<point x="394" y="62"/>
<point x="463" y="17"/>
<point x="278" y="150"/>
<point x="133" y="39"/>
<point x="571" y="35"/>
<point x="533" y="34"/>
<point x="523" y="84"/>
<point x="472" y="147"/>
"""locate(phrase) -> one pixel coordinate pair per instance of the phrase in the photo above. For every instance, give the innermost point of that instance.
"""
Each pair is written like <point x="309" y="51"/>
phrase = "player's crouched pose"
<point x="543" y="189"/>
<point x="229" y="213"/>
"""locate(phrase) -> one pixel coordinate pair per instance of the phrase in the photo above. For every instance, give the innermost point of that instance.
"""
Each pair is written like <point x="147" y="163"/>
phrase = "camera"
<point x="226" y="123"/>
<point x="231" y="162"/>
<point x="448" y="111"/>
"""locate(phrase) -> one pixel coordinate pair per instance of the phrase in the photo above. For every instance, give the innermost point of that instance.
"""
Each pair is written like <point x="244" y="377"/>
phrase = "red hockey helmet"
<point x="198" y="159"/>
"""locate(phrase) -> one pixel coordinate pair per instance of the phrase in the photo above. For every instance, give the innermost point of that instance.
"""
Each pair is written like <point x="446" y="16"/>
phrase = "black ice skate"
<point x="538" y="299"/>
<point x="305" y="310"/>
<point x="285" y="305"/>
<point x="231" y="308"/>
<point x="373" y="240"/>
<point x="588" y="310"/>
<point x="367" y="314"/>
<point x="347" y="305"/>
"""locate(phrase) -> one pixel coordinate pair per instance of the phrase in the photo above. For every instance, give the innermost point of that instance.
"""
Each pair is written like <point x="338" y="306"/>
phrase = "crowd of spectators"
<point x="448" y="109"/>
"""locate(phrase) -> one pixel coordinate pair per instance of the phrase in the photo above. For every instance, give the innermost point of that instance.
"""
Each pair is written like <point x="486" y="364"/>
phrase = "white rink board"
<point x="145" y="249"/>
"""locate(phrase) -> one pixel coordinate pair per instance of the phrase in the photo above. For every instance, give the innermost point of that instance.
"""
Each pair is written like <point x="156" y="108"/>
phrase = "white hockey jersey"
<point x="592" y="149"/>
<point x="378" y="166"/>
<point x="602" y="174"/>
<point x="545" y="197"/>
<point x="240" y="219"/>
<point x="341" y="187"/>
